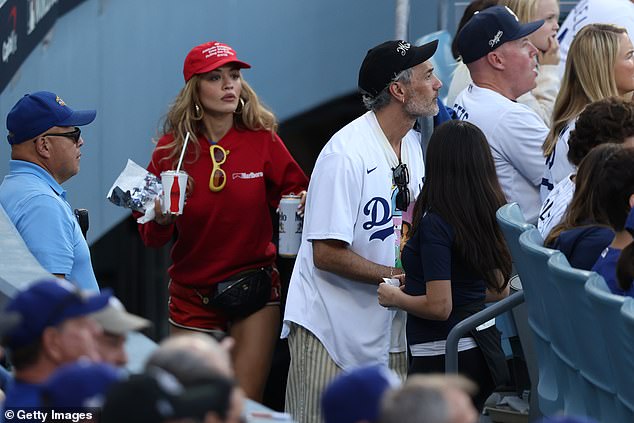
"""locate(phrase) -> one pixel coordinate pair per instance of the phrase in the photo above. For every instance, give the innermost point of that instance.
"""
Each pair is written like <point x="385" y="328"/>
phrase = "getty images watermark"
<point x="50" y="415"/>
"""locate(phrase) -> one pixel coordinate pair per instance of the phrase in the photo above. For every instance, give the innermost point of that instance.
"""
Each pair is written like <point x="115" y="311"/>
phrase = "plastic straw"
<point x="180" y="161"/>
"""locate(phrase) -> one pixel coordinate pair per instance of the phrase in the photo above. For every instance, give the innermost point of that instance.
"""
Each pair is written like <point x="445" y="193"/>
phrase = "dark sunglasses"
<point x="74" y="135"/>
<point x="400" y="175"/>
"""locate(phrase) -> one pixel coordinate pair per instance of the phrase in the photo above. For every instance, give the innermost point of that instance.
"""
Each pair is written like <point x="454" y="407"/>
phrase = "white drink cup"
<point x="174" y="188"/>
<point x="393" y="282"/>
<point x="291" y="225"/>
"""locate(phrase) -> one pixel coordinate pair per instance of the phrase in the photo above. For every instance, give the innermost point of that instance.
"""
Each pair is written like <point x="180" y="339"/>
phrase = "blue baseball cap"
<point x="47" y="303"/>
<point x="35" y="113"/>
<point x="356" y="395"/>
<point x="489" y="29"/>
<point x="80" y="384"/>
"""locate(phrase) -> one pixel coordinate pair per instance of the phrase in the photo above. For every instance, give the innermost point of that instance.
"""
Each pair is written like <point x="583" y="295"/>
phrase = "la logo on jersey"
<point x="380" y="214"/>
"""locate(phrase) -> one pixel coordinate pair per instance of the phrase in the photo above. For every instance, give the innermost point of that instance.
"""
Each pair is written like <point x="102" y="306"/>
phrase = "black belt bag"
<point x="243" y="294"/>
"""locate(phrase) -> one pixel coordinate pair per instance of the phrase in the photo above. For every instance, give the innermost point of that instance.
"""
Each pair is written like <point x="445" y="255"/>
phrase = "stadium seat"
<point x="443" y="60"/>
<point x="607" y="308"/>
<point x="627" y="365"/>
<point x="512" y="224"/>
<point x="554" y="374"/>
<point x="591" y="359"/>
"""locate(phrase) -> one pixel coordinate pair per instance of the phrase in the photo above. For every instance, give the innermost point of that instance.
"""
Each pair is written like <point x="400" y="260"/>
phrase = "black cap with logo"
<point x="385" y="61"/>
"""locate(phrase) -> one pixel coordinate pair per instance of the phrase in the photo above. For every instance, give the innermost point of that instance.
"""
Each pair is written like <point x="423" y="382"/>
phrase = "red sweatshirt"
<point x="224" y="233"/>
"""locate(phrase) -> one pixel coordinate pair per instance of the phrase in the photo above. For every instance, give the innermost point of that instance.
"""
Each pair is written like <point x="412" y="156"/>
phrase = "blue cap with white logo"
<point x="489" y="29"/>
<point x="35" y="113"/>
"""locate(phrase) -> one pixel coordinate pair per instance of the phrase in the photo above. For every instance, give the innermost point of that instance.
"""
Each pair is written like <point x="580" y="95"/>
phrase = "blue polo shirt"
<point x="37" y="206"/>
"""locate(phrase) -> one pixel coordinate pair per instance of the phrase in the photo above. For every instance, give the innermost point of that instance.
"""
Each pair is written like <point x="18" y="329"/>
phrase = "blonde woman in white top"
<point x="600" y="65"/>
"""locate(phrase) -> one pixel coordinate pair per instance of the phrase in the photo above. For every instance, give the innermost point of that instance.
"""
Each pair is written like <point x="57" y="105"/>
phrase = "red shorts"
<point x="186" y="308"/>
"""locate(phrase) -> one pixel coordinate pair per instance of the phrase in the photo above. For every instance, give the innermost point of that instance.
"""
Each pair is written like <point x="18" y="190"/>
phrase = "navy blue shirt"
<point x="582" y="246"/>
<point x="606" y="267"/>
<point x="428" y="256"/>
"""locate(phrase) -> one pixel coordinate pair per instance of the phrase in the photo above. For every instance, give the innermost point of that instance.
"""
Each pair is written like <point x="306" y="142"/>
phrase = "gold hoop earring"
<point x="198" y="112"/>
<point x="240" y="107"/>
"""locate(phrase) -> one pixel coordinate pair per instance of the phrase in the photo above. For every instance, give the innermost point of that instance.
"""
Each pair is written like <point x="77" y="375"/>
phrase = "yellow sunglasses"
<point x="218" y="178"/>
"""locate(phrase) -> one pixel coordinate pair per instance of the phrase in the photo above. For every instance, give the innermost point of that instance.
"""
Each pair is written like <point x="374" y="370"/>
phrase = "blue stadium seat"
<point x="627" y="365"/>
<point x="443" y="60"/>
<point x="554" y="375"/>
<point x="544" y="388"/>
<point x="607" y="308"/>
<point x="591" y="358"/>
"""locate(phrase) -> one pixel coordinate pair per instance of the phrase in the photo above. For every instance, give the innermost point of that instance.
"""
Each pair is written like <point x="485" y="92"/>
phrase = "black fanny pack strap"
<point x="489" y="341"/>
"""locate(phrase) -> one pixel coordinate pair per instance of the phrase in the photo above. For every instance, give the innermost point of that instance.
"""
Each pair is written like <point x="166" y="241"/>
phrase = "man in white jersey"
<point x="365" y="179"/>
<point x="617" y="12"/>
<point x="501" y="60"/>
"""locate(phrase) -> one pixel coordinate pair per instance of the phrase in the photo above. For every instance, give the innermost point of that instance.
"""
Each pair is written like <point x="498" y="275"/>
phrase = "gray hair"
<point x="382" y="99"/>
<point x="191" y="358"/>
<point x="414" y="404"/>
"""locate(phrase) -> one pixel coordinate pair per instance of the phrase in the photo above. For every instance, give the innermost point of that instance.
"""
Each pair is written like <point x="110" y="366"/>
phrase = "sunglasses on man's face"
<point x="400" y="174"/>
<point x="74" y="135"/>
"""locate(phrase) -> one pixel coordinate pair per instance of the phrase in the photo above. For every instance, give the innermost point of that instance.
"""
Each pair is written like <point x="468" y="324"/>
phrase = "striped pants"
<point x="310" y="372"/>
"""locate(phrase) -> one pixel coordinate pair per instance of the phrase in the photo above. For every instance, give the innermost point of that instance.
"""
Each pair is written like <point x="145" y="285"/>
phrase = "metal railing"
<point x="471" y="322"/>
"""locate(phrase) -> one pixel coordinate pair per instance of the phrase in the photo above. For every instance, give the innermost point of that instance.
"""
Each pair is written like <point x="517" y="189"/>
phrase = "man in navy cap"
<point x="45" y="144"/>
<point x="56" y="327"/>
<point x="503" y="66"/>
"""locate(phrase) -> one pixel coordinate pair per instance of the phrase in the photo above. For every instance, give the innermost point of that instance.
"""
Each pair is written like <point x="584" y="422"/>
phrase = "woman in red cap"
<point x="223" y="279"/>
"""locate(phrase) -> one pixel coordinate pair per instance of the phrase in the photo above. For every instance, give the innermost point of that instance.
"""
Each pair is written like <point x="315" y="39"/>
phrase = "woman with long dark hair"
<point x="456" y="259"/>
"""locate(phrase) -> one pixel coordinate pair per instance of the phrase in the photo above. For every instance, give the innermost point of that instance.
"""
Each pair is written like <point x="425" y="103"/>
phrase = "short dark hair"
<point x="610" y="120"/>
<point x="26" y="356"/>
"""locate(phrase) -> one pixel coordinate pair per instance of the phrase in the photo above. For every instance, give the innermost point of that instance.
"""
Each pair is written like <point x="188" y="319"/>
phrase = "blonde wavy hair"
<point x="588" y="76"/>
<point x="183" y="117"/>
<point x="525" y="10"/>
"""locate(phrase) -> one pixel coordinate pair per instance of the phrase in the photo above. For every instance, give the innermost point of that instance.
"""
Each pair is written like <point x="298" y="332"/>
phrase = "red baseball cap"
<point x="209" y="56"/>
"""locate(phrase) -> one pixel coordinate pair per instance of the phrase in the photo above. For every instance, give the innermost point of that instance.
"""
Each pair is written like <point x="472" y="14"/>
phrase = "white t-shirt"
<point x="557" y="165"/>
<point x="351" y="198"/>
<point x="618" y="12"/>
<point x="515" y="134"/>
<point x="541" y="98"/>
<point x="555" y="205"/>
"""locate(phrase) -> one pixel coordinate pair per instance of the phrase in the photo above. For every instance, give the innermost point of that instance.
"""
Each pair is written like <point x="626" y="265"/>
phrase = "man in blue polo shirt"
<point x="45" y="152"/>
